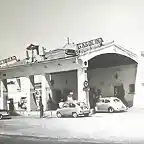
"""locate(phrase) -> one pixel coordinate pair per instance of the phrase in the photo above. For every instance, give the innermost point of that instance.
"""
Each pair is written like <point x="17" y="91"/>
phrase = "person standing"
<point x="122" y="95"/>
<point x="41" y="107"/>
<point x="70" y="96"/>
<point x="11" y="106"/>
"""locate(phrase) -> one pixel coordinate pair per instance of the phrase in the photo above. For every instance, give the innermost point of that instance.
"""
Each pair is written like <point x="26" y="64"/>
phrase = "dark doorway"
<point x="119" y="92"/>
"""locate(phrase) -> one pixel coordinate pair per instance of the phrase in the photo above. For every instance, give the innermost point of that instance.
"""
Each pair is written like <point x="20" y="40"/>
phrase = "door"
<point x="72" y="108"/>
<point x="100" y="105"/>
<point x="106" y="104"/>
<point x="119" y="92"/>
<point x="65" y="109"/>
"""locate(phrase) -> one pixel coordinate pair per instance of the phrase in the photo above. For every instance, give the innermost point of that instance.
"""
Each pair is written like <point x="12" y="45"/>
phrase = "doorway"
<point x="119" y="92"/>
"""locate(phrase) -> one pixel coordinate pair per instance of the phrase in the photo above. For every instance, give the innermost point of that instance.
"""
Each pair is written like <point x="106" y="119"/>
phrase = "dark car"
<point x="4" y="114"/>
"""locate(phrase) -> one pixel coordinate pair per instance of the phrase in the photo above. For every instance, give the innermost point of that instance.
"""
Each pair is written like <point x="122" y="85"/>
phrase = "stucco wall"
<point x="104" y="79"/>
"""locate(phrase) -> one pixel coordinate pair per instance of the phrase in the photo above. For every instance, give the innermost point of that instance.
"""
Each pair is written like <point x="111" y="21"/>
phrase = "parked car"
<point x="73" y="108"/>
<point x="4" y="114"/>
<point x="110" y="104"/>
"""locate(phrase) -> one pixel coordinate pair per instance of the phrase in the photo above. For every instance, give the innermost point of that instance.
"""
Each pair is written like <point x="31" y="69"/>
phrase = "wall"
<point x="104" y="78"/>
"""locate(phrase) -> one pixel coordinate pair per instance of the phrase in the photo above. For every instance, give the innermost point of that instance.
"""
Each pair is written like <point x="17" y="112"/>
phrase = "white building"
<point x="105" y="67"/>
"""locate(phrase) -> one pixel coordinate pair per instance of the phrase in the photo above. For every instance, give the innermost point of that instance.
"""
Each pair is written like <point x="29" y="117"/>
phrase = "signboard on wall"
<point x="97" y="41"/>
<point x="89" y="45"/>
<point x="7" y="60"/>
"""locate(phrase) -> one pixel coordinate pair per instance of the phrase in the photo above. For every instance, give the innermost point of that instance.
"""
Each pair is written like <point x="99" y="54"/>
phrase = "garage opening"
<point x="112" y="75"/>
<point x="62" y="84"/>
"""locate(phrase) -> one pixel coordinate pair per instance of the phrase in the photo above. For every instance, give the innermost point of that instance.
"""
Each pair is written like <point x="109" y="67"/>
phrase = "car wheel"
<point x="74" y="115"/>
<point x="86" y="115"/>
<point x="1" y="116"/>
<point x="110" y="110"/>
<point x="59" y="115"/>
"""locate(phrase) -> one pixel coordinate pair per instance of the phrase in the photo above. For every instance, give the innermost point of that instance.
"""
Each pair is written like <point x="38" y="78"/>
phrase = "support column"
<point x="82" y="77"/>
<point x="17" y="93"/>
<point x="46" y="89"/>
<point x="28" y="89"/>
<point x="4" y="94"/>
<point x="138" y="101"/>
<point x="18" y="82"/>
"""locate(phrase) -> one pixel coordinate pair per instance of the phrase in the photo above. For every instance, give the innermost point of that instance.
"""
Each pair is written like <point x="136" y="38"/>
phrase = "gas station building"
<point x="93" y="65"/>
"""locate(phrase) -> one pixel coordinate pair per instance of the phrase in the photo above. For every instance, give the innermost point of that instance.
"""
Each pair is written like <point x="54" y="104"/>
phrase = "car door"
<point x="65" y="109"/>
<point x="106" y="104"/>
<point x="100" y="105"/>
<point x="72" y="108"/>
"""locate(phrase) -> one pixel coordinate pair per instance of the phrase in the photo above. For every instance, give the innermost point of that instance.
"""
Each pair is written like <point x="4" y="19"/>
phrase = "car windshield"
<point x="81" y="104"/>
<point x="116" y="100"/>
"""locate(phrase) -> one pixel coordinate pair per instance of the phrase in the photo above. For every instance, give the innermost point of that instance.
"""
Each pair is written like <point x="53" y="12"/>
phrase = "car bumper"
<point x="6" y="116"/>
<point x="121" y="109"/>
<point x="84" y="112"/>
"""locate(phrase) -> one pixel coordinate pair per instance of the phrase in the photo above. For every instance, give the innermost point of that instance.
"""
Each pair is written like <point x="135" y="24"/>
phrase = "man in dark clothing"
<point x="123" y="96"/>
<point x="41" y="107"/>
<point x="11" y="107"/>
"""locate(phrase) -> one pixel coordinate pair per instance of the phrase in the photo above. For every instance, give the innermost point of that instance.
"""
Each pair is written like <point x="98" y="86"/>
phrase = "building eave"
<point x="33" y="63"/>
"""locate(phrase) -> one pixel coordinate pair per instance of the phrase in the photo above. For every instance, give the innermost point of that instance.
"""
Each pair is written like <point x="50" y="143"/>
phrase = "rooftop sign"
<point x="90" y="43"/>
<point x="88" y="46"/>
<point x="7" y="60"/>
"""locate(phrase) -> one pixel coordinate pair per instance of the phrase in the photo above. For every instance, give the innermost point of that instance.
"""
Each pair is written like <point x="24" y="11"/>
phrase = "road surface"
<point x="4" y="139"/>
<point x="110" y="128"/>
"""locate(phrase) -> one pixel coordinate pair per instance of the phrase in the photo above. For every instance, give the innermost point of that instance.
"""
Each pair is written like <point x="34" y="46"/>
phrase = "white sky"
<point x="49" y="22"/>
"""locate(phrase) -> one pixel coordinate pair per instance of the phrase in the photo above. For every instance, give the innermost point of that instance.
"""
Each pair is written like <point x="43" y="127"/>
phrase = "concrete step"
<point x="37" y="113"/>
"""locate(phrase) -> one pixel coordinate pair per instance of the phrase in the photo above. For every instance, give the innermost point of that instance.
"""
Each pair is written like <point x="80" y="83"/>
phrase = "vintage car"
<point x="4" y="114"/>
<point x="110" y="104"/>
<point x="73" y="108"/>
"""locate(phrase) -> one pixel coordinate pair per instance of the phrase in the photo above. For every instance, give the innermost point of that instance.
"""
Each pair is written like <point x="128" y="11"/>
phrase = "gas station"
<point x="82" y="68"/>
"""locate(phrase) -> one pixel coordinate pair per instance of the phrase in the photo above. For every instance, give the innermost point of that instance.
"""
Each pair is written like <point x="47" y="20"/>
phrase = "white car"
<point x="110" y="104"/>
<point x="73" y="108"/>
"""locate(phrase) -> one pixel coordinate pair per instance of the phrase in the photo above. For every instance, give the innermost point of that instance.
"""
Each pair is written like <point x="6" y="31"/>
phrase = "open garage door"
<point x="112" y="74"/>
<point x="62" y="84"/>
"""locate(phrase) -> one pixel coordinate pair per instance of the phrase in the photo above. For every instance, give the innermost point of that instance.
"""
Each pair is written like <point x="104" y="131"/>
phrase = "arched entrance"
<point x="112" y="74"/>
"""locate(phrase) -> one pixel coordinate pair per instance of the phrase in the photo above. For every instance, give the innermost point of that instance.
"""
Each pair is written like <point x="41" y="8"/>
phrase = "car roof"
<point x="73" y="101"/>
<point x="110" y="98"/>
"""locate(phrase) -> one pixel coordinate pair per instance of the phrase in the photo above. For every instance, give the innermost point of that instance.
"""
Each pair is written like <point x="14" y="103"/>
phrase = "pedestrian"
<point x="41" y="107"/>
<point x="11" y="106"/>
<point x="70" y="96"/>
<point x="61" y="103"/>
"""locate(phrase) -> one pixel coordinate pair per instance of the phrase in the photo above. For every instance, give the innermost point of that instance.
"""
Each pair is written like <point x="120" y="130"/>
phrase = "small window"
<point x="101" y="101"/>
<point x="132" y="88"/>
<point x="71" y="105"/>
<point x="65" y="105"/>
<point x="107" y="101"/>
<point x="116" y="100"/>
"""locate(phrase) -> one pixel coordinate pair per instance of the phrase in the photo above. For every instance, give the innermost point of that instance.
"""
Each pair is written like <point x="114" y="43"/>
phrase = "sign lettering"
<point x="8" y="60"/>
<point x="90" y="43"/>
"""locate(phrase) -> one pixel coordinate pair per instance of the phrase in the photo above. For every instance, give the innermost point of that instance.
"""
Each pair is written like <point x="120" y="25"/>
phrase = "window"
<point x="107" y="101"/>
<point x="131" y="88"/>
<point x="81" y="104"/>
<point x="71" y="105"/>
<point x="116" y="100"/>
<point x="65" y="105"/>
<point x="101" y="101"/>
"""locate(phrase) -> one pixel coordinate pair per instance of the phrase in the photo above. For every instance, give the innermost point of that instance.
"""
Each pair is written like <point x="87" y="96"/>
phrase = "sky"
<point x="48" y="23"/>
